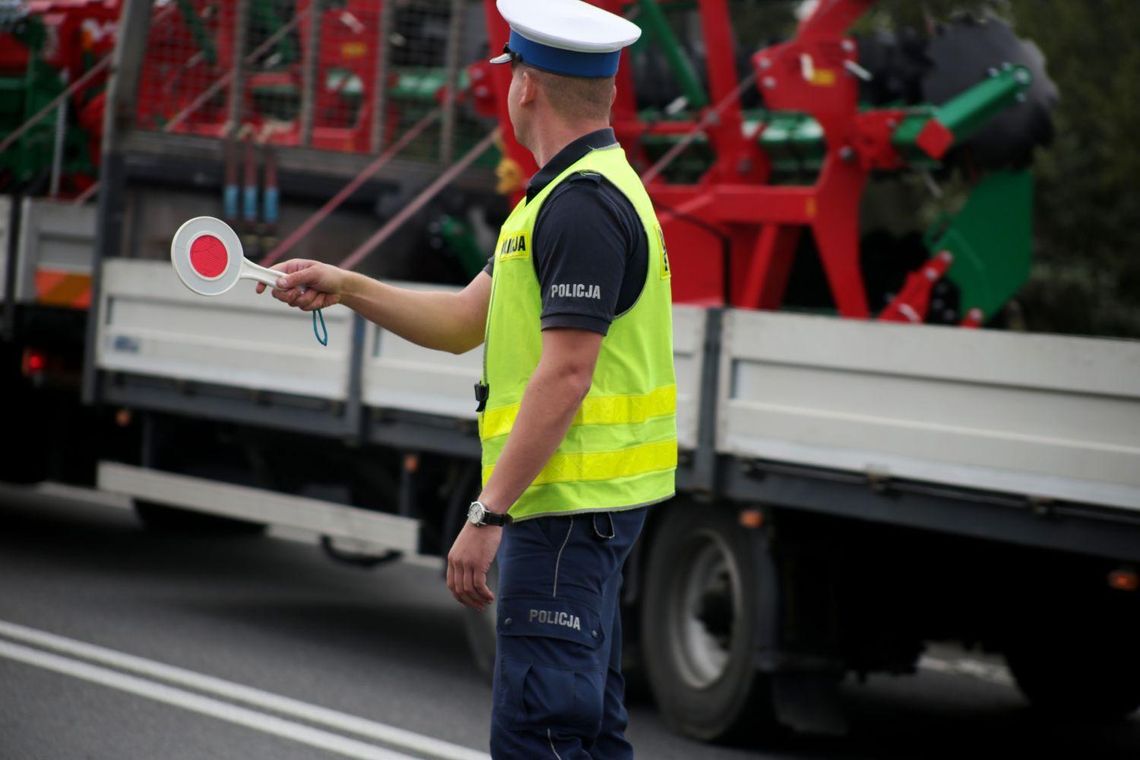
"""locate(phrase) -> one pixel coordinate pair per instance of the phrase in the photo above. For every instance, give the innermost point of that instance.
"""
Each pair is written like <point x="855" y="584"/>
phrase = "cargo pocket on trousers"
<point x="552" y="676"/>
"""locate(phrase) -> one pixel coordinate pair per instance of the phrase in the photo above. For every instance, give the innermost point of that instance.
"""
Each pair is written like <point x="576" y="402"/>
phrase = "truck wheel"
<point x="163" y="519"/>
<point x="697" y="624"/>
<point x="479" y="628"/>
<point x="1089" y="675"/>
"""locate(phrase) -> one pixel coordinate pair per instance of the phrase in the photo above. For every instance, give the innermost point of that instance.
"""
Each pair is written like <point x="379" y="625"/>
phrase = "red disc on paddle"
<point x="208" y="256"/>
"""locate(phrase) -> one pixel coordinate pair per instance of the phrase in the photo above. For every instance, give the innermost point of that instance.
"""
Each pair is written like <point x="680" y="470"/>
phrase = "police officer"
<point x="578" y="399"/>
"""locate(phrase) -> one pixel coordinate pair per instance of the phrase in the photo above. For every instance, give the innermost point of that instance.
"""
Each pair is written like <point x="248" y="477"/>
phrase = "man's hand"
<point x="468" y="562"/>
<point x="308" y="285"/>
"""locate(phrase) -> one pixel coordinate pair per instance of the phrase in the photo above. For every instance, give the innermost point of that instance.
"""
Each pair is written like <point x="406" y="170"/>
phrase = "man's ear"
<point x="529" y="90"/>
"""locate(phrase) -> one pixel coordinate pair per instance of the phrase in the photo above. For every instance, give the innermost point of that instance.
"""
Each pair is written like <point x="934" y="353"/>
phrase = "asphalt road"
<point x="120" y="644"/>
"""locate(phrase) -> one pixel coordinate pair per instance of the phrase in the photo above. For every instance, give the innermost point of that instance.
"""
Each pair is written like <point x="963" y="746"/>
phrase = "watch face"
<point x="475" y="513"/>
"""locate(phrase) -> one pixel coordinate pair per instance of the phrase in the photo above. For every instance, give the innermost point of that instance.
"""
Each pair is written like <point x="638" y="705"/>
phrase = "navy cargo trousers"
<point x="558" y="689"/>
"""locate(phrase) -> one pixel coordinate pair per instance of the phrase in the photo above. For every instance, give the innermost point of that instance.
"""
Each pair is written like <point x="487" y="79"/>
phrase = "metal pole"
<point x="452" y="63"/>
<point x="237" y="86"/>
<point x="310" y="73"/>
<point x="380" y="88"/>
<point x="122" y="94"/>
<point x="705" y="458"/>
<point x="57" y="149"/>
<point x="12" y="255"/>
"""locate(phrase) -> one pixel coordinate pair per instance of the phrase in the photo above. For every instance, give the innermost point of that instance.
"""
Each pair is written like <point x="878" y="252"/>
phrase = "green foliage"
<point x="1087" y="273"/>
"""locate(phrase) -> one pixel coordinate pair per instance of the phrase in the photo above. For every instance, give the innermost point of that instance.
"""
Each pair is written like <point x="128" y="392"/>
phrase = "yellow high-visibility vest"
<point x="621" y="449"/>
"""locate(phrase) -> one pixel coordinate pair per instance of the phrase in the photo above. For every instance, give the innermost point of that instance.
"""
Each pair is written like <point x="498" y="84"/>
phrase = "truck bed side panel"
<point x="1035" y="415"/>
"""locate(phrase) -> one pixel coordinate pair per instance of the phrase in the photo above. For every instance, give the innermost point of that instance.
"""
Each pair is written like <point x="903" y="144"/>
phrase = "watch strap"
<point x="496" y="519"/>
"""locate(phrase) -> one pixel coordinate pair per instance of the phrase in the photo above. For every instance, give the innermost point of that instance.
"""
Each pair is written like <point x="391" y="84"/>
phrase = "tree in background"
<point x="1086" y="278"/>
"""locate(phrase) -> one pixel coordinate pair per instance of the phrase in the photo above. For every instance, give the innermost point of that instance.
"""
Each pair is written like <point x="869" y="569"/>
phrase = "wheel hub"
<point x="706" y="595"/>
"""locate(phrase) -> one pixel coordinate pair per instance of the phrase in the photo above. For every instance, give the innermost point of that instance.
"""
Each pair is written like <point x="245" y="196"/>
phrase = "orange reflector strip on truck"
<point x="66" y="289"/>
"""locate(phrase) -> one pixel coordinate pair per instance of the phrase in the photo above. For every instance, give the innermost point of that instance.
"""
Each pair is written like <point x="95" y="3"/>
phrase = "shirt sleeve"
<point x="582" y="243"/>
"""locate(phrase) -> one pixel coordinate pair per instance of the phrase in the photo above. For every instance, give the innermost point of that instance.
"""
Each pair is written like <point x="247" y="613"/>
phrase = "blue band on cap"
<point x="568" y="62"/>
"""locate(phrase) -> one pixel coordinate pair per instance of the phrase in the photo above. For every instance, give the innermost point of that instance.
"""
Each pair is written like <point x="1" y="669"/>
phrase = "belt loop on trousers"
<point x="604" y="527"/>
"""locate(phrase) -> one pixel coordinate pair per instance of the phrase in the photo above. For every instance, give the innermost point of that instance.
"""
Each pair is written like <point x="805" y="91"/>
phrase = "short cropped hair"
<point x="576" y="98"/>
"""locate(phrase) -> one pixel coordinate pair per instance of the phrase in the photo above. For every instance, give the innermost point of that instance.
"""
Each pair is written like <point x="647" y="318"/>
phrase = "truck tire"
<point x="697" y="627"/>
<point x="163" y="519"/>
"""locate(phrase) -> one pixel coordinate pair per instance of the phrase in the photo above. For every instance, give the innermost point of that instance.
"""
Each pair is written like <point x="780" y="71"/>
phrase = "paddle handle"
<point x="264" y="275"/>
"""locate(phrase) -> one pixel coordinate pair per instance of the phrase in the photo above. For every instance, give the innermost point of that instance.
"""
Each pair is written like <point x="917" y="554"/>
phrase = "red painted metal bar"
<point x="836" y="228"/>
<point x="740" y="203"/>
<point x="771" y="265"/>
<point x="497" y="34"/>
<point x="737" y="156"/>
<point x="913" y="301"/>
<point x="720" y="47"/>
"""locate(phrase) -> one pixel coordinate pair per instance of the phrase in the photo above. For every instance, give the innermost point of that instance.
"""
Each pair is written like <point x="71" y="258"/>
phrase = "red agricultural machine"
<point x="743" y="152"/>
<point x="792" y="135"/>
<point x="54" y="56"/>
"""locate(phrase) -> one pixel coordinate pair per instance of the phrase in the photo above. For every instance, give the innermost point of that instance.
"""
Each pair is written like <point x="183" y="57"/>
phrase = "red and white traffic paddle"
<point x="207" y="256"/>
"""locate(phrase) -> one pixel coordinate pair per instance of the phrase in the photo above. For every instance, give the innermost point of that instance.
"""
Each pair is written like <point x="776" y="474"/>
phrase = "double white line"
<point x="172" y="685"/>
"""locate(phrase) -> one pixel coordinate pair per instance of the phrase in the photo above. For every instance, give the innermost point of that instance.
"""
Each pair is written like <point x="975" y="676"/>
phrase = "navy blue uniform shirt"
<point x="587" y="234"/>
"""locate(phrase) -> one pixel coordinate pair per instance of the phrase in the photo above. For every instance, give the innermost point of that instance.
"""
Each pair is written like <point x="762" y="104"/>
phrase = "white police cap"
<point x="569" y="37"/>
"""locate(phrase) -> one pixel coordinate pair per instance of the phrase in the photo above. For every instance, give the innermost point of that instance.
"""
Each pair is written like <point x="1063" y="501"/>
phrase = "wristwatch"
<point x="478" y="515"/>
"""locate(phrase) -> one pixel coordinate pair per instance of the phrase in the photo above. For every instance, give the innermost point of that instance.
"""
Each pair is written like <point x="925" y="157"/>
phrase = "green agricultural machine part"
<point x="961" y="117"/>
<point x="794" y="141"/>
<point x="24" y="94"/>
<point x="656" y="29"/>
<point x="265" y="16"/>
<point x="991" y="239"/>
<point x="457" y="238"/>
<point x="198" y="31"/>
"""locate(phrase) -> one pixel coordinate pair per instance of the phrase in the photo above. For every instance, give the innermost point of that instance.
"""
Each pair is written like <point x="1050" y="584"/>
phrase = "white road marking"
<point x="314" y="737"/>
<point x="390" y="735"/>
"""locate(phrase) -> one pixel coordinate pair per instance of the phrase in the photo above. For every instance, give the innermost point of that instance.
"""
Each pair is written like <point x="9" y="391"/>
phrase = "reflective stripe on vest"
<point x="621" y="448"/>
